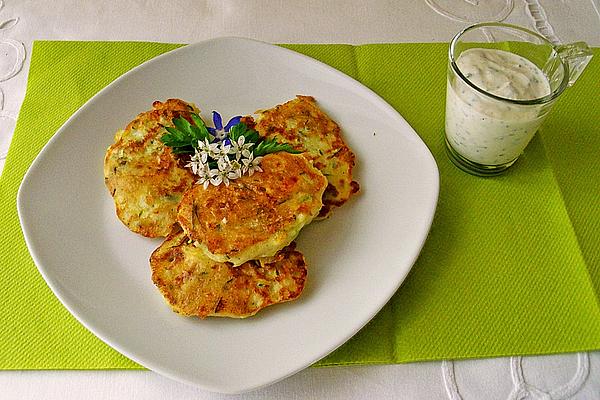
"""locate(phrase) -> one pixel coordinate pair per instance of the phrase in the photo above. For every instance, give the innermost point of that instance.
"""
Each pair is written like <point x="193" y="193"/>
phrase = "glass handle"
<point x="576" y="56"/>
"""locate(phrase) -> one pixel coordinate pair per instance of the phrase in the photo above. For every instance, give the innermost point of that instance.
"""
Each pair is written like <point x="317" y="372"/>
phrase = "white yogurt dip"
<point x="489" y="131"/>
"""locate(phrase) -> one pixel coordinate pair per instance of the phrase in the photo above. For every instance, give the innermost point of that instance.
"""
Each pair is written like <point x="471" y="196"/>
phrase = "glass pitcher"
<point x="502" y="82"/>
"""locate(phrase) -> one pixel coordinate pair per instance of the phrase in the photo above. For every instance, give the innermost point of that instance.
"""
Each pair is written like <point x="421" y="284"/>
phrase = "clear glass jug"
<point x="486" y="128"/>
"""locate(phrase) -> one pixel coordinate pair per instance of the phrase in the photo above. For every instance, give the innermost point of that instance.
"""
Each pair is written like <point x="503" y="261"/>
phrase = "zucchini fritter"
<point x="301" y="123"/>
<point x="194" y="285"/>
<point x="144" y="177"/>
<point x="255" y="215"/>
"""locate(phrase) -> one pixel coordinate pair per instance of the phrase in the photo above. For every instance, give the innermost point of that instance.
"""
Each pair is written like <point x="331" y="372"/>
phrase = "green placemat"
<point x="511" y="266"/>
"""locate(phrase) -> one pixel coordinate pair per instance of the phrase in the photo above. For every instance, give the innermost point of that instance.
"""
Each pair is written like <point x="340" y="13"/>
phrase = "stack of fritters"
<point x="229" y="250"/>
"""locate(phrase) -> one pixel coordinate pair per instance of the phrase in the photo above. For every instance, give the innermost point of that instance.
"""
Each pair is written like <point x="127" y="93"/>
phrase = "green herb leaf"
<point x="261" y="146"/>
<point x="183" y="150"/>
<point x="242" y="130"/>
<point x="268" y="146"/>
<point x="183" y="125"/>
<point x="199" y="128"/>
<point x="184" y="136"/>
<point x="252" y="136"/>
<point x="238" y="130"/>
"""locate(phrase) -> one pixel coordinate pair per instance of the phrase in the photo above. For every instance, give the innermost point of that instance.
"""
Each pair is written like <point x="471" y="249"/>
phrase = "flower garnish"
<point x="222" y="153"/>
<point x="205" y="175"/>
<point x="207" y="150"/>
<point x="240" y="148"/>
<point x="251" y="165"/>
<point x="220" y="131"/>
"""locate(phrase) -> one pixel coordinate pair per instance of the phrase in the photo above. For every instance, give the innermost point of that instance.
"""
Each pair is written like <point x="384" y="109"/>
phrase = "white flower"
<point x="235" y="170"/>
<point x="208" y="149"/>
<point x="218" y="176"/>
<point x="231" y="168"/>
<point x="224" y="149"/>
<point x="251" y="164"/>
<point x="196" y="163"/>
<point x="205" y="176"/>
<point x="223" y="163"/>
<point x="240" y="148"/>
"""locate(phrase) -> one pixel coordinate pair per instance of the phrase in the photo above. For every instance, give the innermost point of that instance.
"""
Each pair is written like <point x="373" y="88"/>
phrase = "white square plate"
<point x="356" y="259"/>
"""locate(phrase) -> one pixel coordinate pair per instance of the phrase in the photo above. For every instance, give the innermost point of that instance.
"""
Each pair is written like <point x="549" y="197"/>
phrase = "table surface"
<point x="562" y="376"/>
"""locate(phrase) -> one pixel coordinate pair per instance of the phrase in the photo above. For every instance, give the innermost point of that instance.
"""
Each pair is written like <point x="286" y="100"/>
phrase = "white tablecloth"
<point x="310" y="21"/>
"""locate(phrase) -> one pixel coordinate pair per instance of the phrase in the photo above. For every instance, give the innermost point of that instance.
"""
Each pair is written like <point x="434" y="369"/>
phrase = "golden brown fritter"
<point x="194" y="285"/>
<point x="301" y="123"/>
<point x="255" y="215"/>
<point x="144" y="177"/>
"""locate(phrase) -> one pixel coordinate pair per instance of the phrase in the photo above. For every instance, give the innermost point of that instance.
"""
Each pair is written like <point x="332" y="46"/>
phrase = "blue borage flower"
<point x="220" y="154"/>
<point x="220" y="132"/>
